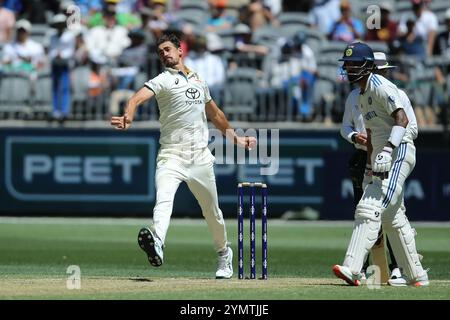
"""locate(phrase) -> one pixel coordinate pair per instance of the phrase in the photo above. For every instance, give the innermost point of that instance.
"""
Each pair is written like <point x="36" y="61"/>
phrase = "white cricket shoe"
<point x="421" y="281"/>
<point x="345" y="274"/>
<point x="397" y="279"/>
<point x="152" y="246"/>
<point x="395" y="274"/>
<point x="225" y="265"/>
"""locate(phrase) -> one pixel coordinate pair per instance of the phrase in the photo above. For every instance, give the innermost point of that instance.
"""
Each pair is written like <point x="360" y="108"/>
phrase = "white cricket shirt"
<point x="353" y="122"/>
<point x="181" y="99"/>
<point x="378" y="101"/>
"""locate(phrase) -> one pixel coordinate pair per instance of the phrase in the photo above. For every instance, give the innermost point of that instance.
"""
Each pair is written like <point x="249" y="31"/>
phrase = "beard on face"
<point x="170" y="62"/>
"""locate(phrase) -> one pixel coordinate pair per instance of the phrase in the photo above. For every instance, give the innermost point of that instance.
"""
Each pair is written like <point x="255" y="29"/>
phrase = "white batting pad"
<point x="401" y="237"/>
<point x="365" y="234"/>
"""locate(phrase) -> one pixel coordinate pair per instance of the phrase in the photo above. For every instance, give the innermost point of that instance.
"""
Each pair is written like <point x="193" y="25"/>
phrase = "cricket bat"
<point x="379" y="257"/>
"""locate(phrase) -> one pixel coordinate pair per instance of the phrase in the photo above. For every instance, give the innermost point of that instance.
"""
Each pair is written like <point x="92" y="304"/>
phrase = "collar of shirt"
<point x="190" y="74"/>
<point x="367" y="85"/>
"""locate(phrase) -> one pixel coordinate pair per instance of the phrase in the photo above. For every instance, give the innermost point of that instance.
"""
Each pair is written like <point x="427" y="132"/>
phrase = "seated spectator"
<point x="426" y="25"/>
<point x="411" y="43"/>
<point x="161" y="19"/>
<point x="146" y="15"/>
<point x="126" y="19"/>
<point x="7" y="21"/>
<point x="285" y="69"/>
<point x="347" y="29"/>
<point x="108" y="41"/>
<point x="256" y="14"/>
<point x="69" y="8"/>
<point x="97" y="85"/>
<point x="280" y="78"/>
<point x="209" y="66"/>
<point x="296" y="71"/>
<point x="218" y="20"/>
<point x="324" y="14"/>
<point x="61" y="54"/>
<point x="243" y="35"/>
<point x="388" y="28"/>
<point x="87" y="7"/>
<point x="132" y="60"/>
<point x="307" y="76"/>
<point x="23" y="54"/>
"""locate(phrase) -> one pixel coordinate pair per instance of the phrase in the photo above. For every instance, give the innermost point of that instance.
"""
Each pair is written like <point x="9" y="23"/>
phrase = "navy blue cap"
<point x="358" y="51"/>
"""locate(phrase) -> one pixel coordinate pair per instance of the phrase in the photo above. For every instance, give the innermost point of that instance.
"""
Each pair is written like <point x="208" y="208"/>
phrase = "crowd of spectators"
<point x="115" y="39"/>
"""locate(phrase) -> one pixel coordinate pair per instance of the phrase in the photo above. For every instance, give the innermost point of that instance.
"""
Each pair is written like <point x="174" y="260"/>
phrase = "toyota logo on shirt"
<point x="192" y="93"/>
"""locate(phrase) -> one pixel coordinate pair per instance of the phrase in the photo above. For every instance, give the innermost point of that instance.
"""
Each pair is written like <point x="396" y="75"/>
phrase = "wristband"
<point x="387" y="149"/>
<point x="396" y="136"/>
<point x="353" y="137"/>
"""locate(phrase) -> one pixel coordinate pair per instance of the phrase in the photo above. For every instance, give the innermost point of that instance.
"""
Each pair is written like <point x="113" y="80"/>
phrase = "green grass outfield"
<point x="35" y="254"/>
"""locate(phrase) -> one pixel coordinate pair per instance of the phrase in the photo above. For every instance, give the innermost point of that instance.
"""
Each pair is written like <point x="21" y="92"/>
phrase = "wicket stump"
<point x="252" y="187"/>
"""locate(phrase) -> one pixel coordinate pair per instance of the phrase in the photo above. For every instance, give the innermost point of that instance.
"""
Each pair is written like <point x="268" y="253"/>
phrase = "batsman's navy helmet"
<point x="358" y="61"/>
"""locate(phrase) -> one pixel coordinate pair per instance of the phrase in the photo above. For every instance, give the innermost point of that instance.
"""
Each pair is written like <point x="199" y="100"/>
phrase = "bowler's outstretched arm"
<point x="124" y="122"/>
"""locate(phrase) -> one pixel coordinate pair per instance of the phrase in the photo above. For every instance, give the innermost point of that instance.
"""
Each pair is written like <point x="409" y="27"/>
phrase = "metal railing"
<point x="29" y="96"/>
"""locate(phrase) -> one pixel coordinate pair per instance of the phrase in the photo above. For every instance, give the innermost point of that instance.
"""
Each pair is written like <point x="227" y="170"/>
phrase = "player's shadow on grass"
<point x="140" y="279"/>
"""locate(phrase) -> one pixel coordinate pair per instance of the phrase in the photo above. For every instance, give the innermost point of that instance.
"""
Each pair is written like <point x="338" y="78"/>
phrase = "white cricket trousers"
<point x="201" y="181"/>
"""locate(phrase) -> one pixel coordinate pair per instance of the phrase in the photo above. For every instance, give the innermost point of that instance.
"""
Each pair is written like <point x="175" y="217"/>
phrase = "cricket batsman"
<point x="392" y="160"/>
<point x="354" y="131"/>
<point x="185" y="105"/>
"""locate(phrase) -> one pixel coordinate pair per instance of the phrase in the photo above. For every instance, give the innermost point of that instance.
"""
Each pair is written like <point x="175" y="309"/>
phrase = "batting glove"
<point x="383" y="161"/>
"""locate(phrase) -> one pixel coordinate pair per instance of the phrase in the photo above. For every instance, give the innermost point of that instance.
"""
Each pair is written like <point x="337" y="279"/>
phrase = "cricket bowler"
<point x="185" y="105"/>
